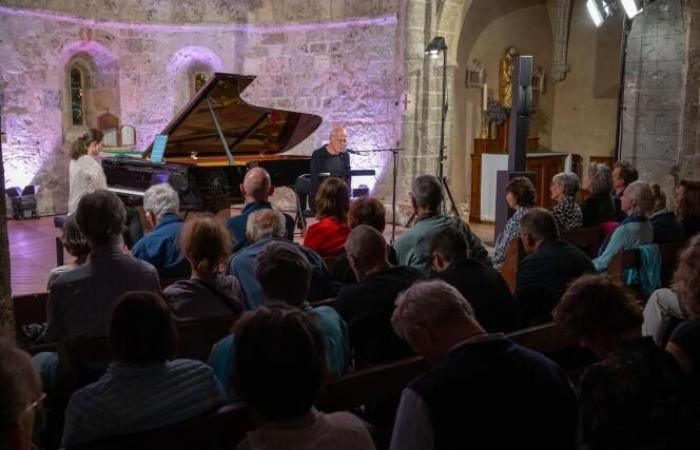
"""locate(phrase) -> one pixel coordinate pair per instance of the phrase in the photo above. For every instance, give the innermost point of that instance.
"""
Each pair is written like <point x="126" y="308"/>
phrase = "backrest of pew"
<point x="588" y="239"/>
<point x="196" y="337"/>
<point x="626" y="259"/>
<point x="630" y="259"/>
<point x="509" y="269"/>
<point x="29" y="308"/>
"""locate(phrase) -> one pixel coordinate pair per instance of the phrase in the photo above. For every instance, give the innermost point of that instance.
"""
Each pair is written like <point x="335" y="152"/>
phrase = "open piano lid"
<point x="248" y="129"/>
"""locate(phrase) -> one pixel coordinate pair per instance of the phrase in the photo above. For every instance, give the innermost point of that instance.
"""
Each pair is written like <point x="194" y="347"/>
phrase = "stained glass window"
<point x="200" y="80"/>
<point x="76" y="96"/>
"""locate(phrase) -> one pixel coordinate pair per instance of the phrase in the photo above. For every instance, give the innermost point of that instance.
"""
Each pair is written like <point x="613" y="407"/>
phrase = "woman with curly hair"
<point x="327" y="236"/>
<point x="520" y="195"/>
<point x="633" y="396"/>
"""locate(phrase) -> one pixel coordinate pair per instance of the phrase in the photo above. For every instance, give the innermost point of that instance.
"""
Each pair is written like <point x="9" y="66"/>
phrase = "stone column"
<point x="690" y="139"/>
<point x="7" y="322"/>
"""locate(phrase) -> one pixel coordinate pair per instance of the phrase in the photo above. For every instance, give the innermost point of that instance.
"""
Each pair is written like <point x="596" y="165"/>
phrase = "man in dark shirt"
<point x="549" y="267"/>
<point x="480" y="284"/>
<point x="332" y="159"/>
<point x="367" y="305"/>
<point x="623" y="174"/>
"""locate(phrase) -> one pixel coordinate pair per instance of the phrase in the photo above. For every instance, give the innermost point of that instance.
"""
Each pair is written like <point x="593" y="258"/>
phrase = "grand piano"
<point x="212" y="143"/>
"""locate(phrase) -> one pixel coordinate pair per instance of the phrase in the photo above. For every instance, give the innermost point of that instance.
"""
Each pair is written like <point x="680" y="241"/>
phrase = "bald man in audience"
<point x="20" y="398"/>
<point x="257" y="189"/>
<point x="374" y="293"/>
<point x="484" y="391"/>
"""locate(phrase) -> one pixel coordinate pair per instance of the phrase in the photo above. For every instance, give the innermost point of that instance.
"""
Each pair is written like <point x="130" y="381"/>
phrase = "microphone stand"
<point x="394" y="152"/>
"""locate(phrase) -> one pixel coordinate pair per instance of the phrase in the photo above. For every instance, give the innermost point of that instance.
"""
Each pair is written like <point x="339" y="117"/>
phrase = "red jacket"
<point x="327" y="237"/>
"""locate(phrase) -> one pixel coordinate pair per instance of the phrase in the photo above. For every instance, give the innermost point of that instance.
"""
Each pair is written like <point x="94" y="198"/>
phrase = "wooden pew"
<point x="509" y="270"/>
<point x="631" y="259"/>
<point x="588" y="239"/>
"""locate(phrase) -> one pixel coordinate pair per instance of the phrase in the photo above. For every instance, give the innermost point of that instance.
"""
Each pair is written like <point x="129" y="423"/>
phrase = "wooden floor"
<point x="33" y="251"/>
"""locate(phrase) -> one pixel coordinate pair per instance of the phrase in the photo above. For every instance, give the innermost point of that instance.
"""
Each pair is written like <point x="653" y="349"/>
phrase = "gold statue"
<point x="506" y="78"/>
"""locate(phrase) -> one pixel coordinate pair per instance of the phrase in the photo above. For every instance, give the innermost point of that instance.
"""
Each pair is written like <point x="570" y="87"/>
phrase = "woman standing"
<point x="85" y="171"/>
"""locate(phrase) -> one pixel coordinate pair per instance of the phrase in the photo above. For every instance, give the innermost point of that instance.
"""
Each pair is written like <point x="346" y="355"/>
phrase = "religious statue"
<point x="506" y="78"/>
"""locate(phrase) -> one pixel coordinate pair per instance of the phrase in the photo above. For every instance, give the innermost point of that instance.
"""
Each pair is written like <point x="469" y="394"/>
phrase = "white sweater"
<point x="85" y="175"/>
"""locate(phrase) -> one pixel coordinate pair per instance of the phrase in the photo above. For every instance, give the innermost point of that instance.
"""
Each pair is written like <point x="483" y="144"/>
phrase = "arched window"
<point x="76" y="96"/>
<point x="200" y="79"/>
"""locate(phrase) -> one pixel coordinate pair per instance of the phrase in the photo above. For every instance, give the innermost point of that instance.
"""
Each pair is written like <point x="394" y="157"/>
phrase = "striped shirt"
<point x="128" y="399"/>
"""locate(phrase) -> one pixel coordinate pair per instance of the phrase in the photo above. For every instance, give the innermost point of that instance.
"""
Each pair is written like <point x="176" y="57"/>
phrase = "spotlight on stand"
<point x="436" y="46"/>
<point x="599" y="10"/>
<point x="23" y="202"/>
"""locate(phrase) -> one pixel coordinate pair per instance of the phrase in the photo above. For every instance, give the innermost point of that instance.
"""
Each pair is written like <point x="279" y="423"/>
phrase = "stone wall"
<point x="345" y="71"/>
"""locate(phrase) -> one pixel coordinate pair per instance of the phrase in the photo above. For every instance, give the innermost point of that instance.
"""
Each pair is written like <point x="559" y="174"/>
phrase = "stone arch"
<point x="101" y="94"/>
<point x="184" y="65"/>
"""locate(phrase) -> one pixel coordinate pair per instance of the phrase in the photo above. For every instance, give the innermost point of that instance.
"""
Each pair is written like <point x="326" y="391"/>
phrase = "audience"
<point x="666" y="226"/>
<point x="367" y="211"/>
<point x="413" y="246"/>
<point x="664" y="305"/>
<point x="623" y="173"/>
<point x="256" y="189"/>
<point x="684" y="344"/>
<point x="81" y="301"/>
<point x="206" y="244"/>
<point x="551" y="264"/>
<point x="479" y="283"/>
<point x="144" y="387"/>
<point x="484" y="391"/>
<point x="75" y="244"/>
<point x="567" y="213"/>
<point x="367" y="305"/>
<point x="284" y="273"/>
<point x="599" y="207"/>
<point x="635" y="230"/>
<point x="520" y="195"/>
<point x="21" y="398"/>
<point x="632" y="398"/>
<point x="265" y="226"/>
<point x="160" y="247"/>
<point x="327" y="236"/>
<point x="687" y="197"/>
<point x="269" y="339"/>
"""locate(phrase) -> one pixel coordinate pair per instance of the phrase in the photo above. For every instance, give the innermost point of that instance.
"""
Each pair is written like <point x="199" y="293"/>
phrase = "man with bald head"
<point x="332" y="158"/>
<point x="256" y="188"/>
<point x="373" y="296"/>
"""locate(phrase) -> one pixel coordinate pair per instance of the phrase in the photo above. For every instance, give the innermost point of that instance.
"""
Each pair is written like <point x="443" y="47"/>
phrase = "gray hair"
<point x="161" y="199"/>
<point x="601" y="178"/>
<point x="264" y="224"/>
<point x="19" y="383"/>
<point x="433" y="304"/>
<point x="643" y="196"/>
<point x="427" y="192"/>
<point x="569" y="183"/>
<point x="366" y="244"/>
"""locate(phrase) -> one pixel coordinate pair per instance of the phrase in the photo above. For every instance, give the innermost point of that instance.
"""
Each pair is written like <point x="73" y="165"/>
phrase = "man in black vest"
<point x="483" y="391"/>
<point x="332" y="159"/>
<point x="550" y="266"/>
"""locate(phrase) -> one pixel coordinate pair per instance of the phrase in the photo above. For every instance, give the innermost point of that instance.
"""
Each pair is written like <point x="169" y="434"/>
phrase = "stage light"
<point x="632" y="7"/>
<point x="436" y="46"/>
<point x="599" y="10"/>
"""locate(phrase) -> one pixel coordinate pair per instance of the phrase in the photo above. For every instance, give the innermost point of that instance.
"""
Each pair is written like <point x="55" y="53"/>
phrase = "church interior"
<point x="480" y="95"/>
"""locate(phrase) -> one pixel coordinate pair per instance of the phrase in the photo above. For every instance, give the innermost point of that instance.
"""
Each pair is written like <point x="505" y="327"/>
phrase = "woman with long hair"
<point x="85" y="171"/>
<point x="327" y="236"/>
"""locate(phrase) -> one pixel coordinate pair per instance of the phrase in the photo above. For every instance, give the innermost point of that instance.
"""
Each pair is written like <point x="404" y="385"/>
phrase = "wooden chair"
<point x="588" y="239"/>
<point x="622" y="261"/>
<point x="514" y="253"/>
<point x="198" y="336"/>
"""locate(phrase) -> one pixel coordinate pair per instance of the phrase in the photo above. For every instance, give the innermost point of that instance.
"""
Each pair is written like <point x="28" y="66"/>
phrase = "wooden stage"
<point x="33" y="250"/>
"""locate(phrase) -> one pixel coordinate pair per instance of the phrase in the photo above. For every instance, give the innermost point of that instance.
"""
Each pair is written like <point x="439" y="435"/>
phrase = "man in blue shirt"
<point x="257" y="188"/>
<point x="160" y="247"/>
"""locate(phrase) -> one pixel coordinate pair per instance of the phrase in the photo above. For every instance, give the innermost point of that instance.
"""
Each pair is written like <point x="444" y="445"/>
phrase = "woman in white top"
<point x="85" y="171"/>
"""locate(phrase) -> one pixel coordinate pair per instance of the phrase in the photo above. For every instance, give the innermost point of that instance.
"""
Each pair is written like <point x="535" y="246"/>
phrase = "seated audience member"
<point x="363" y="211"/>
<point x="623" y="174"/>
<point x="284" y="273"/>
<point x="632" y="397"/>
<point x="551" y="264"/>
<point x="160" y="247"/>
<point x="687" y="197"/>
<point x="327" y="236"/>
<point x="75" y="244"/>
<point x="479" y="283"/>
<point x="666" y="226"/>
<point x="413" y="246"/>
<point x="144" y="387"/>
<point x="367" y="305"/>
<point x="599" y="207"/>
<point x="283" y="337"/>
<point x="208" y="293"/>
<point x="265" y="226"/>
<point x="520" y="196"/>
<point x="664" y="305"/>
<point x="634" y="231"/>
<point x="20" y="396"/>
<point x="483" y="391"/>
<point x="567" y="213"/>
<point x="256" y="189"/>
